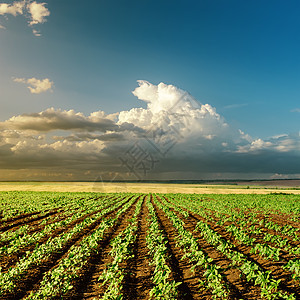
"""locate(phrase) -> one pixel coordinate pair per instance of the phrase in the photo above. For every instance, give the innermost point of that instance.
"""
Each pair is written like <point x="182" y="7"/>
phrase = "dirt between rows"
<point x="27" y="220"/>
<point x="138" y="271"/>
<point x="259" y="238"/>
<point x="274" y="215"/>
<point x="30" y="281"/>
<point x="283" y="219"/>
<point x="279" y="220"/>
<point x="189" y="289"/>
<point x="137" y="282"/>
<point x="33" y="217"/>
<point x="9" y="261"/>
<point x="287" y="283"/>
<point x="238" y="286"/>
<point x="18" y="217"/>
<point x="37" y="225"/>
<point x="88" y="285"/>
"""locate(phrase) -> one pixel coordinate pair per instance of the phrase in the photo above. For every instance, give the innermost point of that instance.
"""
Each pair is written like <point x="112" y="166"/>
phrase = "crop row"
<point x="8" y="280"/>
<point x="252" y="271"/>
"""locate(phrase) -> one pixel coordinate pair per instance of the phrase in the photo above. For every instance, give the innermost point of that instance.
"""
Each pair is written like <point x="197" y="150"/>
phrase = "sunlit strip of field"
<point x="108" y="187"/>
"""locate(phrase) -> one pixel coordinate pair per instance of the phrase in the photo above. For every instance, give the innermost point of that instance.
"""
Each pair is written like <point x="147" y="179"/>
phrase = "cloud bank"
<point x="51" y="120"/>
<point x="174" y="137"/>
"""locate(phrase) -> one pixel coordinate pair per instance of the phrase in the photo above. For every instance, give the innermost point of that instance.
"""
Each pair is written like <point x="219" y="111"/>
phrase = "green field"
<point x="149" y="246"/>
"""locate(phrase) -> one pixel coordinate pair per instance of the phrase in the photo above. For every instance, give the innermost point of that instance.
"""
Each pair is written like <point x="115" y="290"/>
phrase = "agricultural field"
<point x="60" y="245"/>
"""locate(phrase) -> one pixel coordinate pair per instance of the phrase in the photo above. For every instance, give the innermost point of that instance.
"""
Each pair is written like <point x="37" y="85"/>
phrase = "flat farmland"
<point x="289" y="186"/>
<point x="76" y="245"/>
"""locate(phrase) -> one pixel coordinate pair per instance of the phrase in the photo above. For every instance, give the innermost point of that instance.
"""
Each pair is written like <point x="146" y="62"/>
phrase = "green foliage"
<point x="228" y="223"/>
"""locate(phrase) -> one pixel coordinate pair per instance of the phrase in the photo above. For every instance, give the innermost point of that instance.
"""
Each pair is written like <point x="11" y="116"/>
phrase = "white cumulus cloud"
<point x="35" y="12"/>
<point x="16" y="8"/>
<point x="36" y="86"/>
<point x="176" y="111"/>
<point x="38" y="12"/>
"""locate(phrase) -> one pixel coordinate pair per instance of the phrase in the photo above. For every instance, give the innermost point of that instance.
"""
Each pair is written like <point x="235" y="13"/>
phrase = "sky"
<point x="118" y="90"/>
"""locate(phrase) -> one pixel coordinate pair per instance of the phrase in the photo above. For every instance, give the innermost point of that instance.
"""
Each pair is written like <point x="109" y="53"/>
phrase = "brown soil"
<point x="278" y="219"/>
<point x="31" y="279"/>
<point x="189" y="289"/>
<point x="138" y="282"/>
<point x="8" y="261"/>
<point x="18" y="217"/>
<point x="26" y="220"/>
<point x="88" y="285"/>
<point x="36" y="226"/>
<point x="287" y="284"/>
<point x="259" y="237"/>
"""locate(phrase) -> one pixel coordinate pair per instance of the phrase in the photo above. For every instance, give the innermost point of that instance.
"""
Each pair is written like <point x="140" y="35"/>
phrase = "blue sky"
<point x="240" y="57"/>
